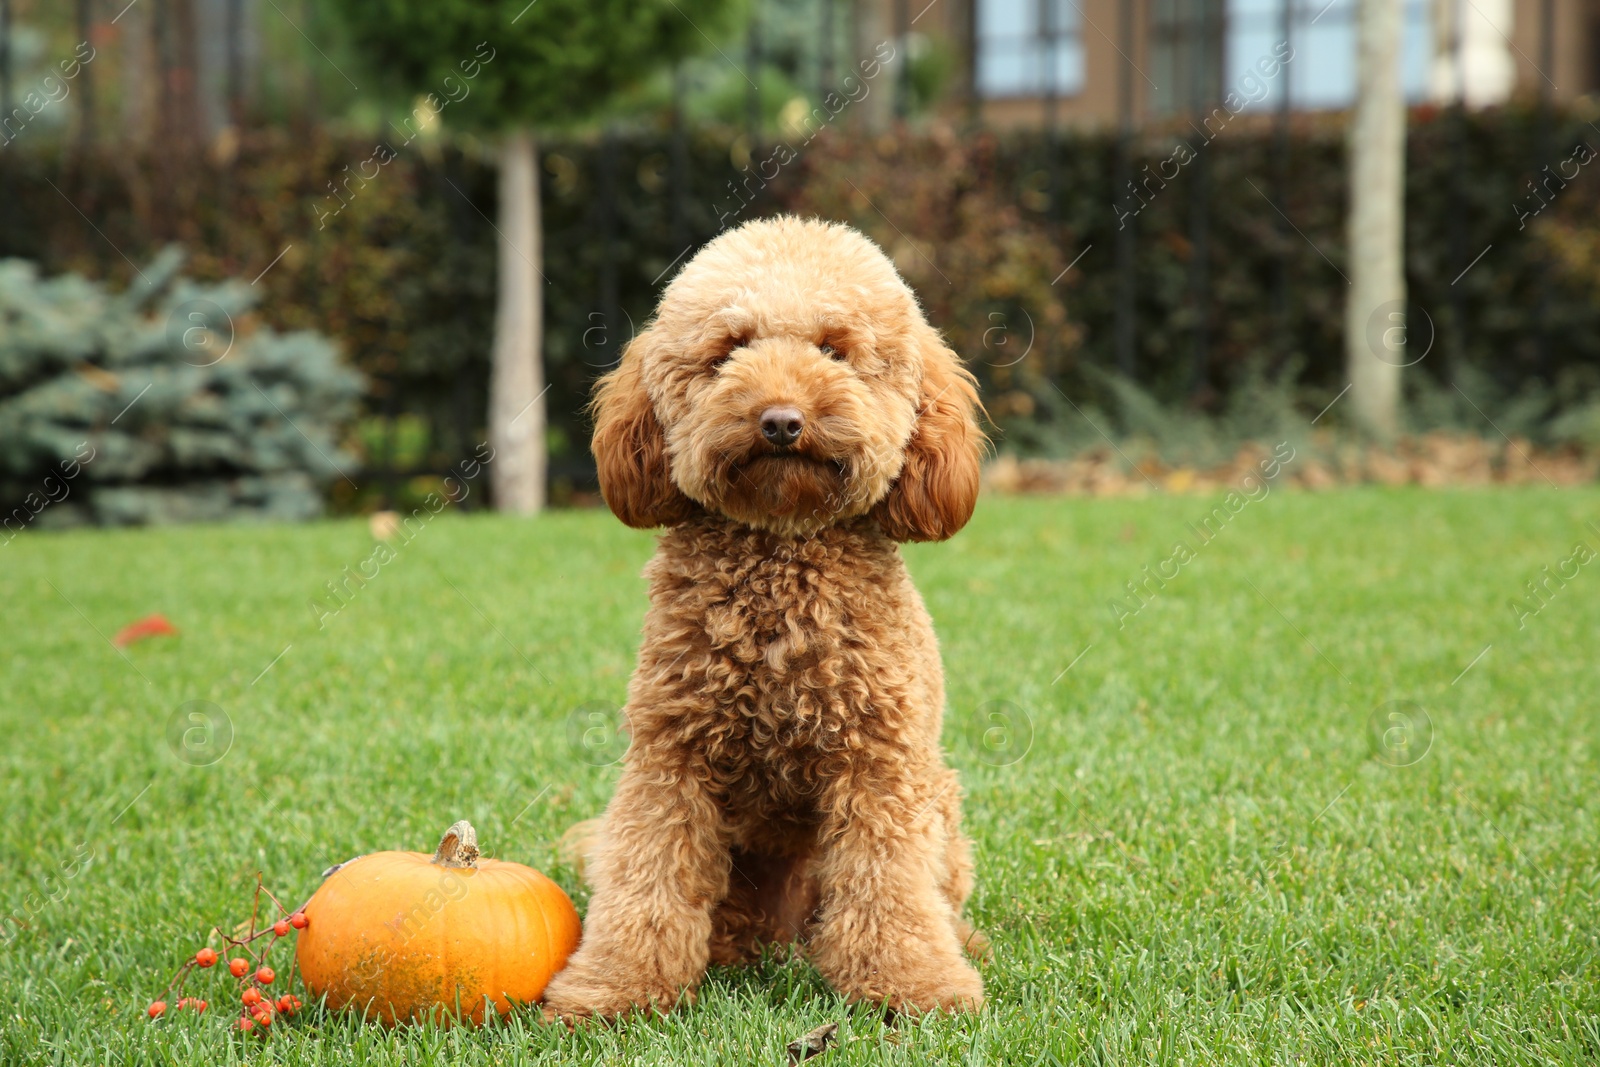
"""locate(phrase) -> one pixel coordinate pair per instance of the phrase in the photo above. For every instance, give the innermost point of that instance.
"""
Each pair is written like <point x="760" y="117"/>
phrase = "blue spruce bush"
<point x="162" y="403"/>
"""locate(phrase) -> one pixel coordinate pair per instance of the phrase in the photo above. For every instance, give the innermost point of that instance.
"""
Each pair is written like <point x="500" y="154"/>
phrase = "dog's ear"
<point x="938" y="487"/>
<point x="630" y="449"/>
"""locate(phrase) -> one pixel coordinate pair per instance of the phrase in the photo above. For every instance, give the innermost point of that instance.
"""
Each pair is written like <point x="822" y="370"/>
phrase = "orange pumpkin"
<point x="404" y="936"/>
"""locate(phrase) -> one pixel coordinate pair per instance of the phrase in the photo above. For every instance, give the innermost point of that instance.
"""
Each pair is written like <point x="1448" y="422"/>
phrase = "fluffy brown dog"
<point x="789" y="416"/>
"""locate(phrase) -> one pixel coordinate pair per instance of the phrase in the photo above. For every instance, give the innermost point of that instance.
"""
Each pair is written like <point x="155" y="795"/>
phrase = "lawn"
<point x="1213" y="839"/>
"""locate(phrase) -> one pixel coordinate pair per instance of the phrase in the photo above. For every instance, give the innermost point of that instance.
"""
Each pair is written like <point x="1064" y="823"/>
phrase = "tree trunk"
<point x="140" y="75"/>
<point x="875" y="110"/>
<point x="6" y="32"/>
<point x="86" y="77"/>
<point x="1375" y="326"/>
<point x="516" y="381"/>
<point x="187" y="124"/>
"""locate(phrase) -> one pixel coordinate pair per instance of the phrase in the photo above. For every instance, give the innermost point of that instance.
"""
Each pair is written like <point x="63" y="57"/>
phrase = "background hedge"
<point x="982" y="223"/>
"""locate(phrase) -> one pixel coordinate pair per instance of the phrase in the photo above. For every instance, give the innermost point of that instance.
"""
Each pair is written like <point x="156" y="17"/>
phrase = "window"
<point x="1185" y="54"/>
<point x="1028" y="48"/>
<point x="1323" y="33"/>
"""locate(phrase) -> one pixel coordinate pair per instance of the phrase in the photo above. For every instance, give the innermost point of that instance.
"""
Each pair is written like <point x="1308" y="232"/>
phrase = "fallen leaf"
<point x="384" y="525"/>
<point x="149" y="626"/>
<point x="813" y="1044"/>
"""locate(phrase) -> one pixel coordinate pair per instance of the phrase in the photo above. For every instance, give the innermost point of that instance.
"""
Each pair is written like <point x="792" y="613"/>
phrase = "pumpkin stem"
<point x="458" y="847"/>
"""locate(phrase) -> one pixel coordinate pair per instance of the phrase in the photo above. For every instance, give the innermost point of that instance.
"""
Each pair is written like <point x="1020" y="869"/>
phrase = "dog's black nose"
<point x="782" y="426"/>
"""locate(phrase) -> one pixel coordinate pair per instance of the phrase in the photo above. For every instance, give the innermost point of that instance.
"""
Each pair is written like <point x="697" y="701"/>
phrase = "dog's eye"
<point x="725" y="352"/>
<point x="831" y="352"/>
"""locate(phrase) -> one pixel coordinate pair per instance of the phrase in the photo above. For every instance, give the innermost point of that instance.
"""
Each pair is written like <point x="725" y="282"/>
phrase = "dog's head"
<point x="789" y="381"/>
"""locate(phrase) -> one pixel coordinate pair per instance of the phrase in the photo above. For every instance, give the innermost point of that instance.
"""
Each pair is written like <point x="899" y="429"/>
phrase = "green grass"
<point x="1189" y="849"/>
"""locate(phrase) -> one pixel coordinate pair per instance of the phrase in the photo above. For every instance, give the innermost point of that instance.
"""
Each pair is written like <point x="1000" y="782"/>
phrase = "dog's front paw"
<point x="974" y="942"/>
<point x="910" y="982"/>
<point x="955" y="987"/>
<point x="585" y="991"/>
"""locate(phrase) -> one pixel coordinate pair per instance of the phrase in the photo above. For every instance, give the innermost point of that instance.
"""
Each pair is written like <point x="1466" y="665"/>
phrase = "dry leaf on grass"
<point x="383" y="525"/>
<point x="813" y="1044"/>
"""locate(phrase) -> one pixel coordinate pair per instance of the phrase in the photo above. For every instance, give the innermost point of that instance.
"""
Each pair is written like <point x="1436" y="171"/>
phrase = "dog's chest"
<point x="778" y="648"/>
<point x="774" y="617"/>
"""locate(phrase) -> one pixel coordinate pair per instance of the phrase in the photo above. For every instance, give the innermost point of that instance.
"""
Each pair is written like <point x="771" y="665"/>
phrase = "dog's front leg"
<point x="658" y="868"/>
<point x="886" y="931"/>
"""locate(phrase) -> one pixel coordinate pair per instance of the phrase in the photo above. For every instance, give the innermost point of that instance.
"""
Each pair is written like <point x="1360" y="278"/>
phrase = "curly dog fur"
<point x="784" y="781"/>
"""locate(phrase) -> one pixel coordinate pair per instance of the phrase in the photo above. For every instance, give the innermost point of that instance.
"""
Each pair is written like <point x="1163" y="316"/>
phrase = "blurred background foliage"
<point x="165" y="402"/>
<point x="1008" y="236"/>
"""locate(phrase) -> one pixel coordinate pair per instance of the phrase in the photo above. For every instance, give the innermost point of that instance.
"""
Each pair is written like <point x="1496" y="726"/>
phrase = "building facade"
<point x="1094" y="62"/>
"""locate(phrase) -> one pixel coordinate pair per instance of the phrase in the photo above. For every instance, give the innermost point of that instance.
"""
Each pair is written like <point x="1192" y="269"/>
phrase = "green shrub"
<point x="984" y="224"/>
<point x="166" y="402"/>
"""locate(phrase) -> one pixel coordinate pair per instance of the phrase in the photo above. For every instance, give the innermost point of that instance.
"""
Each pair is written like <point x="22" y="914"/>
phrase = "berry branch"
<point x="250" y="969"/>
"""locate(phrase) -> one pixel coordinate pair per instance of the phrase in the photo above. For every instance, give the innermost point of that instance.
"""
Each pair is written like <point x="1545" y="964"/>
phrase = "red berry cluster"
<point x="258" y="1009"/>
